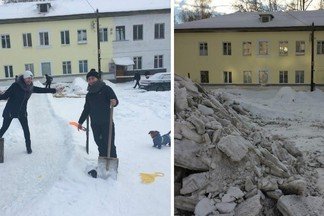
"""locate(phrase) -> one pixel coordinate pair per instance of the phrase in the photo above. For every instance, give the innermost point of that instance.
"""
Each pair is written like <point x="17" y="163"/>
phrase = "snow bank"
<point x="285" y="95"/>
<point x="78" y="86"/>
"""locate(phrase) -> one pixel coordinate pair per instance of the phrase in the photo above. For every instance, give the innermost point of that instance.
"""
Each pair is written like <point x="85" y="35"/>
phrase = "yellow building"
<point x="252" y="48"/>
<point x="60" y="37"/>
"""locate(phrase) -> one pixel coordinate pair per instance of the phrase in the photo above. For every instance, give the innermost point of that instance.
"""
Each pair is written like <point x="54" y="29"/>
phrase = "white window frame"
<point x="103" y="34"/>
<point x="205" y="73"/>
<point x="66" y="41"/>
<point x="299" y="75"/>
<point x="158" y="33"/>
<point x="228" y="77"/>
<point x="82" y="36"/>
<point x="267" y="47"/>
<point x="247" y="77"/>
<point x="320" y="47"/>
<point x="158" y="61"/>
<point x="43" y="38"/>
<point x="227" y="48"/>
<point x="30" y="67"/>
<point x="66" y="67"/>
<point x="27" y="36"/>
<point x="41" y="68"/>
<point x="300" y="47"/>
<point x="283" y="77"/>
<point x="203" y="49"/>
<point x="8" y="69"/>
<point x="120" y="33"/>
<point x="136" y="32"/>
<point x="283" y="48"/>
<point x="84" y="69"/>
<point x="138" y="62"/>
<point x="247" y="48"/>
<point x="5" y="41"/>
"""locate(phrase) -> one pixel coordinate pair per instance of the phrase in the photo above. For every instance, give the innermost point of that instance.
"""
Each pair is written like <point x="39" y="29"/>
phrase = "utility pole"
<point x="312" y="59"/>
<point x="98" y="44"/>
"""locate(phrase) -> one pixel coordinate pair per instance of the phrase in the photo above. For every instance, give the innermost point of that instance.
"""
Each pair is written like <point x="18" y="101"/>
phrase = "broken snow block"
<point x="235" y="147"/>
<point x="205" y="110"/>
<point x="185" y="203"/>
<point x="250" y="207"/>
<point x="225" y="207"/>
<point x="293" y="205"/>
<point x="204" y="207"/>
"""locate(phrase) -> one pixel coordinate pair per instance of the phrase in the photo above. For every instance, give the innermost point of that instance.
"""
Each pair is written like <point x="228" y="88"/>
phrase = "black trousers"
<point x="48" y="85"/>
<point x="137" y="84"/>
<point x="24" y="123"/>
<point x="100" y="134"/>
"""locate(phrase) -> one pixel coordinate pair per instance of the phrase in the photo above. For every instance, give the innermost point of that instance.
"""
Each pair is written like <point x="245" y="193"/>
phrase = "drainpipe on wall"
<point x="312" y="59"/>
<point x="98" y="44"/>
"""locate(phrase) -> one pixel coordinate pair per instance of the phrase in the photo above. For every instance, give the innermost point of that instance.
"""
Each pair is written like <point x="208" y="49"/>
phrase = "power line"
<point x="90" y="5"/>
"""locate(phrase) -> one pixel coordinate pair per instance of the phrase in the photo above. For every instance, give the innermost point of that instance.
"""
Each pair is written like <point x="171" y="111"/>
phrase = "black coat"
<point x="137" y="76"/>
<point x="18" y="97"/>
<point x="97" y="105"/>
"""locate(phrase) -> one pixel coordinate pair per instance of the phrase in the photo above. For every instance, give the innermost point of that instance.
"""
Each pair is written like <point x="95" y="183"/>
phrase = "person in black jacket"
<point x="137" y="77"/>
<point x="97" y="105"/>
<point x="18" y="95"/>
<point x="49" y="80"/>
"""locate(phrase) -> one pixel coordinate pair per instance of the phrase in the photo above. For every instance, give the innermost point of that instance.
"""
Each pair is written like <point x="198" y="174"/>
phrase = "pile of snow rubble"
<point x="227" y="165"/>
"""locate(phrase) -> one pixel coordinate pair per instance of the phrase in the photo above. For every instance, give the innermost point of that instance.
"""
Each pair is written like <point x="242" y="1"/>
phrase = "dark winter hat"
<point x="94" y="73"/>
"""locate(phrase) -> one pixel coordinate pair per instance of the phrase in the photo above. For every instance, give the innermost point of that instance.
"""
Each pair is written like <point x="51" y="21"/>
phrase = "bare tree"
<point x="201" y="9"/>
<point x="299" y="5"/>
<point x="248" y="5"/>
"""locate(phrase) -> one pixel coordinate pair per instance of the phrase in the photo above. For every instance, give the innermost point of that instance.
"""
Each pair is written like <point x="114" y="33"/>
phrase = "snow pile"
<point x="226" y="164"/>
<point x="285" y="95"/>
<point x="78" y="86"/>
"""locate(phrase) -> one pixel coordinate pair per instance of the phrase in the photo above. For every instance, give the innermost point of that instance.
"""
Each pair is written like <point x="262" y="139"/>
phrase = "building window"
<point x="43" y="39"/>
<point x="120" y="33"/>
<point x="320" y="47"/>
<point x="283" y="76"/>
<point x="158" y="61"/>
<point x="247" y="77"/>
<point x="137" y="32"/>
<point x="137" y="63"/>
<point x="263" y="48"/>
<point x="83" y="66"/>
<point x="67" y="67"/>
<point x="5" y="40"/>
<point x="29" y="67"/>
<point x="103" y="34"/>
<point x="227" y="48"/>
<point x="300" y="47"/>
<point x="159" y="31"/>
<point x="203" y="49"/>
<point x="65" y="37"/>
<point x="227" y="77"/>
<point x="82" y="36"/>
<point x="27" y="40"/>
<point x="8" y="71"/>
<point x="204" y="76"/>
<point x="299" y="78"/>
<point x="283" y="48"/>
<point x="46" y="68"/>
<point x="247" y="48"/>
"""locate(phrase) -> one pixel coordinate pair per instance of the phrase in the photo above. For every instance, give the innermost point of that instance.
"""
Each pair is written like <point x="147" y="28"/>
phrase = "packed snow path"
<point x="24" y="177"/>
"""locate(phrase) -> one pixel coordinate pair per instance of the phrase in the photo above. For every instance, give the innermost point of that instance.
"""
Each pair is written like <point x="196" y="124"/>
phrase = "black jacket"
<point x="49" y="79"/>
<point x="137" y="76"/>
<point x="18" y="97"/>
<point x="97" y="105"/>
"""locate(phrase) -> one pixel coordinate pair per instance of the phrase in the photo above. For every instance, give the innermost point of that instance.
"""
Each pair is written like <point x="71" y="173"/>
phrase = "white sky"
<point x="225" y="6"/>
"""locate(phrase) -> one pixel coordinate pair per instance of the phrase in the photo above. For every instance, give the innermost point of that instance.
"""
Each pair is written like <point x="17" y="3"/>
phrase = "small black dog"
<point x="159" y="140"/>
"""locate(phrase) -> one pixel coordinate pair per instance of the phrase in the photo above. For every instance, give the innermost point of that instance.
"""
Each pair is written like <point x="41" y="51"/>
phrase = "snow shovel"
<point x="111" y="163"/>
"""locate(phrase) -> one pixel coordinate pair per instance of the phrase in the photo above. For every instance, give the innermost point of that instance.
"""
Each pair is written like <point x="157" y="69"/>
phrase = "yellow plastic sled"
<point x="148" y="178"/>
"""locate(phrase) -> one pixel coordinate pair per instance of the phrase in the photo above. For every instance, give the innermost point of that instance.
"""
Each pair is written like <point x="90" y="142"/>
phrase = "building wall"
<point x="56" y="53"/>
<point x="188" y="60"/>
<point x="148" y="47"/>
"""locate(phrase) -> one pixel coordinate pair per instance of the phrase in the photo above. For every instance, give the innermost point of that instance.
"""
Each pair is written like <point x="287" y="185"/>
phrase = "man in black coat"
<point x="18" y="95"/>
<point x="97" y="105"/>
<point x="49" y="80"/>
<point x="137" y="77"/>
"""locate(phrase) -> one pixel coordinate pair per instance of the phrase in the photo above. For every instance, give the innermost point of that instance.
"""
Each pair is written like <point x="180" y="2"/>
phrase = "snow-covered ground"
<point x="296" y="115"/>
<point x="53" y="180"/>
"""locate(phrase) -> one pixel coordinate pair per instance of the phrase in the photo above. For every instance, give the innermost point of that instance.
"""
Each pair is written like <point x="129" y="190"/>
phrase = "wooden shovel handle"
<point x="110" y="130"/>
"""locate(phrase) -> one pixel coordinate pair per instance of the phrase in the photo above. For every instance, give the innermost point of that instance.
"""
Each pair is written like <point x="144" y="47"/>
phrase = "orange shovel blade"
<point x="76" y="124"/>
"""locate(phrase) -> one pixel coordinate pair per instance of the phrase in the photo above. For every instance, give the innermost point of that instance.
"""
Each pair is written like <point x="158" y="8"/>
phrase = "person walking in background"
<point x="137" y="77"/>
<point x="49" y="80"/>
<point x="18" y="95"/>
<point x="16" y="78"/>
